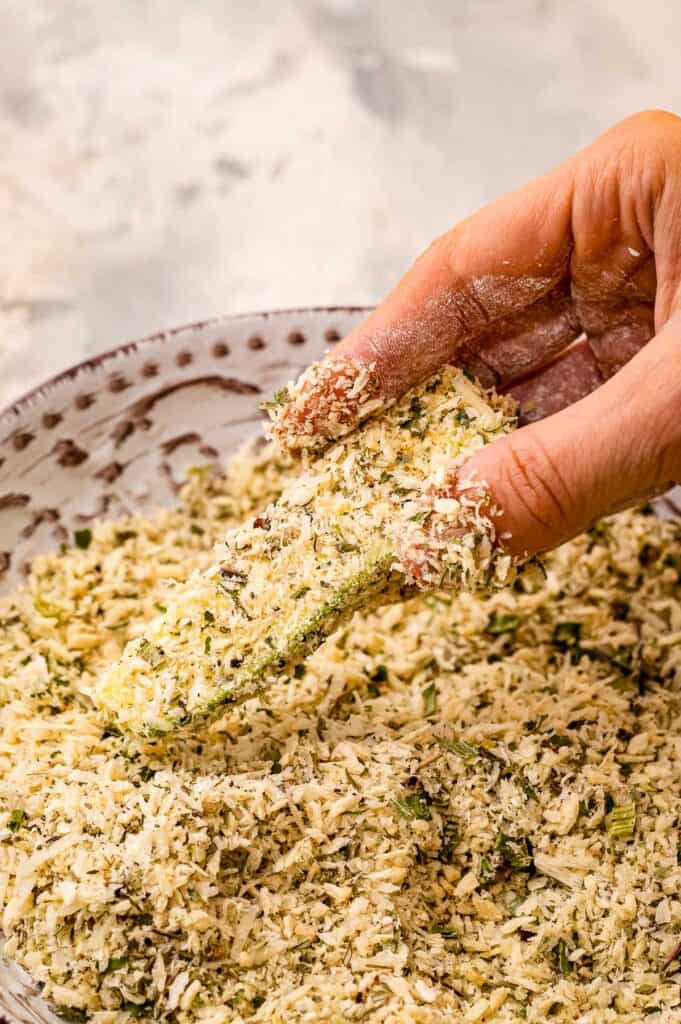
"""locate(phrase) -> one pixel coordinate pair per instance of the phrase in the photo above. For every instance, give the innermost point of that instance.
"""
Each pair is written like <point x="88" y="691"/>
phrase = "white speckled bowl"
<point x="116" y="434"/>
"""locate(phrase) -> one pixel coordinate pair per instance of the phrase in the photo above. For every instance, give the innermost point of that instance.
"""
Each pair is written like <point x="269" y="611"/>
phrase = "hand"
<point x="593" y="248"/>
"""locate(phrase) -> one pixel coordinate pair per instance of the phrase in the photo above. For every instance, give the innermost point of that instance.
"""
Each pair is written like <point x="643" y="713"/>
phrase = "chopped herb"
<point x="116" y="963"/>
<point x="232" y="583"/>
<point x="429" y="695"/>
<point x="525" y="784"/>
<point x="449" y="840"/>
<point x="299" y="671"/>
<point x="83" y="538"/>
<point x="621" y="821"/>
<point x="499" y="624"/>
<point x="560" y="952"/>
<point x="138" y="1010"/>
<point x="257" y="1000"/>
<point x="208" y="616"/>
<point x="150" y="652"/>
<point x="414" y="805"/>
<point x="207" y="643"/>
<point x="567" y="634"/>
<point x="413" y="422"/>
<point x="515" y="851"/>
<point x="71" y="1014"/>
<point x="462" y="748"/>
<point x="486" y="869"/>
<point x="16" y="819"/>
<point x="557" y="740"/>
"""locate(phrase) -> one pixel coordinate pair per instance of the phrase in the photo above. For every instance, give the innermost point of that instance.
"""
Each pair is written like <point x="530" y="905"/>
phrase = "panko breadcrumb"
<point x="462" y="808"/>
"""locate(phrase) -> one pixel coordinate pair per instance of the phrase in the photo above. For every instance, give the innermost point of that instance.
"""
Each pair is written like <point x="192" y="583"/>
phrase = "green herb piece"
<point x="486" y="869"/>
<point x="525" y="784"/>
<point x="207" y="643"/>
<point x="412" y="806"/>
<point x="73" y="1015"/>
<point x="257" y="1000"/>
<point x="560" y="952"/>
<point x="208" y="616"/>
<point x="515" y="851"/>
<point x="413" y="422"/>
<point x="82" y="538"/>
<point x="462" y="748"/>
<point x="429" y="695"/>
<point x="138" y="1010"/>
<point x="116" y="963"/>
<point x="566" y="634"/>
<point x="236" y="999"/>
<point x="150" y="652"/>
<point x="232" y="583"/>
<point x="16" y="819"/>
<point x="449" y="840"/>
<point x="299" y="671"/>
<point x="499" y="624"/>
<point x="621" y="821"/>
<point x="556" y="740"/>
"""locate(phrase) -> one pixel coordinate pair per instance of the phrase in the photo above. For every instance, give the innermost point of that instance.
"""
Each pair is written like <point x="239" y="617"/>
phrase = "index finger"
<point x="509" y="256"/>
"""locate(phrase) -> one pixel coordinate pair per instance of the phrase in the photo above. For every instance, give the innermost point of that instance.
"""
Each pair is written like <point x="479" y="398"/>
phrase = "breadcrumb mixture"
<point x="356" y="527"/>
<point x="461" y="808"/>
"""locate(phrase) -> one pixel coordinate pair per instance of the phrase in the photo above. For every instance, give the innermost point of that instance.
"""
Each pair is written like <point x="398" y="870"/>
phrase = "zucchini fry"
<point x="344" y="535"/>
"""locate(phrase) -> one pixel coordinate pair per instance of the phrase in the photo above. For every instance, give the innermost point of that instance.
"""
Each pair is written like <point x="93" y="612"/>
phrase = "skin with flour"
<point x="590" y="251"/>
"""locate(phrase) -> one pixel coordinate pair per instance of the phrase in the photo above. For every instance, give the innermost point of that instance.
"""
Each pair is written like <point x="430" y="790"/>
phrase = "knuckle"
<point x="535" y="484"/>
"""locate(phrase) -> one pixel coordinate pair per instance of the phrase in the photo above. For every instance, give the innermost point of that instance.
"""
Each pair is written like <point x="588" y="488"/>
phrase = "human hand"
<point x="594" y="248"/>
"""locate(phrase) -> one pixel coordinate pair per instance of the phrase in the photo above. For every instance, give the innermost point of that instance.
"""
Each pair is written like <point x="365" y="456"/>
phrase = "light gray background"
<point x="163" y="161"/>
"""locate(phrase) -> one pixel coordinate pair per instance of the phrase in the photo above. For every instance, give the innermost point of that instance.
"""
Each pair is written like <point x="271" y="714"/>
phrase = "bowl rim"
<point x="19" y="405"/>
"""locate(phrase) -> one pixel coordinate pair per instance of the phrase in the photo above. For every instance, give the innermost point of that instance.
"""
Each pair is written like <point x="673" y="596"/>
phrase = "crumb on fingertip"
<point x="325" y="403"/>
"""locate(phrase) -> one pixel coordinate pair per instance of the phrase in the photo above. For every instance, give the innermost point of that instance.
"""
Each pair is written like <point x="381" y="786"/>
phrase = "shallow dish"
<point x="117" y="433"/>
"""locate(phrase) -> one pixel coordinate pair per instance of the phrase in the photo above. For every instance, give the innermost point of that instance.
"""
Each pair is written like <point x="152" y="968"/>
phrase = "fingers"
<point x="555" y="477"/>
<point x="486" y="271"/>
<point x="573" y="375"/>
<point x="489" y="269"/>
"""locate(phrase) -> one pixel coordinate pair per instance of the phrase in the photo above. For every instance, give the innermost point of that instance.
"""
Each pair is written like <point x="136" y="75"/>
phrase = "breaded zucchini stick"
<point x="368" y="519"/>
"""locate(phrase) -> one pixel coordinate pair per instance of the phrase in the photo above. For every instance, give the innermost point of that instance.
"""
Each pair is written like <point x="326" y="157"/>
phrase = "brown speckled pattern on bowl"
<point x="116" y="435"/>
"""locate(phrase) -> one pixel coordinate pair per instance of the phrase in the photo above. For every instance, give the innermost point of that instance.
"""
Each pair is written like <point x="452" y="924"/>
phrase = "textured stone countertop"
<point x="167" y="160"/>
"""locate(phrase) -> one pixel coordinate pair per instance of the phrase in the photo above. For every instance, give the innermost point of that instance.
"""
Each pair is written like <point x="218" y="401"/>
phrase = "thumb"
<point x="621" y="443"/>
